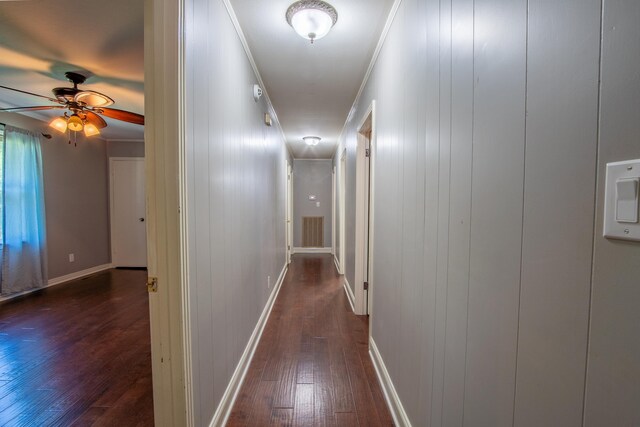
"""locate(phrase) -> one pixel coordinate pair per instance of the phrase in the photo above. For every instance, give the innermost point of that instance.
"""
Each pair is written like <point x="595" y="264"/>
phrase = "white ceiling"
<point x="42" y="39"/>
<point x="312" y="87"/>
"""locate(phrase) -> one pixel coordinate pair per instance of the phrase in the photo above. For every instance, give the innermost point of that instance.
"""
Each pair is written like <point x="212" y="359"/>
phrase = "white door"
<point x="128" y="216"/>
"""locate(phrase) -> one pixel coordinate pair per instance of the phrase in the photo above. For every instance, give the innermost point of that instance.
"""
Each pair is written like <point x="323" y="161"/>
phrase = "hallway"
<point x="312" y="365"/>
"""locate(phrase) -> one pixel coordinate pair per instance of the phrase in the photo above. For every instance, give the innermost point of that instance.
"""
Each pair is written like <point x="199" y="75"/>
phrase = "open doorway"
<point x="342" y="212"/>
<point x="364" y="211"/>
<point x="289" y="213"/>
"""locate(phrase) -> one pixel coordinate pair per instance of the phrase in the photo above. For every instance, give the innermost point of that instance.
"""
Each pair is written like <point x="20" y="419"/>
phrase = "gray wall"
<point x="236" y="190"/>
<point x="76" y="198"/>
<point x="125" y="148"/>
<point x="311" y="177"/>
<point x="485" y="309"/>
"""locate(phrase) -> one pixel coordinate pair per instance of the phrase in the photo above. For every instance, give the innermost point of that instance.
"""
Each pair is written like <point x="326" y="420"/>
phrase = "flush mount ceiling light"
<point x="311" y="140"/>
<point x="312" y="19"/>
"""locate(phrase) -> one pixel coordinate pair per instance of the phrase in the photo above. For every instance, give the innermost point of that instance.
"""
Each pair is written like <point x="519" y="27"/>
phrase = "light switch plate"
<point x="619" y="219"/>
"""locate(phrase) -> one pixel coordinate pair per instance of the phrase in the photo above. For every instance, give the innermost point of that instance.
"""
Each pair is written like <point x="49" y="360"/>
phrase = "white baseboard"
<point x="400" y="418"/>
<point x="311" y="250"/>
<point x="335" y="261"/>
<point x="79" y="274"/>
<point x="62" y="279"/>
<point x="350" y="296"/>
<point x="221" y="416"/>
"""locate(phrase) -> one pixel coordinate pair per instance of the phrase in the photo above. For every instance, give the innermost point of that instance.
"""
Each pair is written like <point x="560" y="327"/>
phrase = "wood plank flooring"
<point x="78" y="354"/>
<point x="312" y="366"/>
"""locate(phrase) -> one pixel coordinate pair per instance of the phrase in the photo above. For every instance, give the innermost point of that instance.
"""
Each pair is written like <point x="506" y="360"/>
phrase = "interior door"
<point x="128" y="216"/>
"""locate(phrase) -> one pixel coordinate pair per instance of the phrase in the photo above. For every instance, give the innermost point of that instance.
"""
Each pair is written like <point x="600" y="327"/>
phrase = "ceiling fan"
<point x="85" y="108"/>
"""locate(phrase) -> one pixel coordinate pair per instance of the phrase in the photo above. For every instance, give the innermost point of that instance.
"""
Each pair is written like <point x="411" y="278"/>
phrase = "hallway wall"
<point x="492" y="132"/>
<point x="236" y="189"/>
<point x="311" y="177"/>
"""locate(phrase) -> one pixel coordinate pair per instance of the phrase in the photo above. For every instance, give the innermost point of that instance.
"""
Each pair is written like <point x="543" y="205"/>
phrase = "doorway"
<point x="127" y="208"/>
<point x="342" y="212"/>
<point x="364" y="211"/>
<point x="289" y="213"/>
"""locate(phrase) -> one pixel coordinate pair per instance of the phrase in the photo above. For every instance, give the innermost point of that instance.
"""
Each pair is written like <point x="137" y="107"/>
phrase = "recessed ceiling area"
<point x="312" y="86"/>
<point x="40" y="40"/>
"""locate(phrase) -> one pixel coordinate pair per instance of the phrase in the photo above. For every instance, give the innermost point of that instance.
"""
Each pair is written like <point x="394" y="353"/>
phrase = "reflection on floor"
<point x="312" y="366"/>
<point x="78" y="354"/>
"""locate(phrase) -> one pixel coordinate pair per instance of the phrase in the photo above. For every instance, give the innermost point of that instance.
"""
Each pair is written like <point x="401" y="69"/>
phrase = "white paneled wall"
<point x="236" y="189"/>
<point x="495" y="302"/>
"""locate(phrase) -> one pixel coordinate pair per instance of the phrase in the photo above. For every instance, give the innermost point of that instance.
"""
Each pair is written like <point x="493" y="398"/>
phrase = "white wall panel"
<point x="496" y="210"/>
<point x="483" y="247"/>
<point x="561" y="142"/>
<point x="613" y="372"/>
<point x="460" y="210"/>
<point x="236" y="182"/>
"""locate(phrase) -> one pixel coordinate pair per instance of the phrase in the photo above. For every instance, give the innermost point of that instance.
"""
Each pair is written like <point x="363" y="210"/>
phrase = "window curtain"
<point x="24" y="258"/>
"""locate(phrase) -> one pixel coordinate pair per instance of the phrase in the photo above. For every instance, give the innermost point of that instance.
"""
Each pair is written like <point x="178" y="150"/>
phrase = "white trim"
<point x="400" y="418"/>
<point x="243" y="40"/>
<point x="62" y="279"/>
<point x="364" y="209"/>
<point x="349" y="292"/>
<point x="335" y="261"/>
<point x="297" y="250"/>
<point x="221" y="416"/>
<point x="372" y="63"/>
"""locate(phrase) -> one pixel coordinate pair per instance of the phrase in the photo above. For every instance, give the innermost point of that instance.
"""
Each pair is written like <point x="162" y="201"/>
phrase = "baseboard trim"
<point x="79" y="274"/>
<point x="335" y="261"/>
<point x="221" y="415"/>
<point x="350" y="296"/>
<point x="400" y="418"/>
<point x="62" y="279"/>
<point x="311" y="250"/>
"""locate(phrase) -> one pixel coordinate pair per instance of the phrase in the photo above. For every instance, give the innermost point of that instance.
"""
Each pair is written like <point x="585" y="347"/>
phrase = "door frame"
<point x="289" y="213"/>
<point x="167" y="255"/>
<point x="112" y="160"/>
<point x="366" y="138"/>
<point x="342" y="208"/>
<point x="333" y="211"/>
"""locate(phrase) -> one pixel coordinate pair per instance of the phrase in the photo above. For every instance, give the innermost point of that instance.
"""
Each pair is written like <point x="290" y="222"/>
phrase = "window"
<point x="22" y="229"/>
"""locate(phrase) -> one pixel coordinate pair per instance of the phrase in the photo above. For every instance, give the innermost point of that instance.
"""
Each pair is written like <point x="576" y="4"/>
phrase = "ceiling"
<point x="42" y="39"/>
<point x="312" y="87"/>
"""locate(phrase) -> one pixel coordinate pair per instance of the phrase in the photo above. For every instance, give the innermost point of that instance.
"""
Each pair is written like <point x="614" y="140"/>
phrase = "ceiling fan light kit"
<point x="312" y="19"/>
<point x="311" y="140"/>
<point x="84" y="107"/>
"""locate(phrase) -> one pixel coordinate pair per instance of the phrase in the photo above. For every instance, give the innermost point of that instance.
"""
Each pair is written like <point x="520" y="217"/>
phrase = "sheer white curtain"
<point x="24" y="257"/>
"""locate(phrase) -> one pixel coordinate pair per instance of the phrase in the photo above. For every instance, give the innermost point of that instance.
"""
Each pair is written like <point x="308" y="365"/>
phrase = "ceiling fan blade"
<point x="30" y="93"/>
<point x="95" y="119"/>
<point x="125" y="116"/>
<point x="41" y="107"/>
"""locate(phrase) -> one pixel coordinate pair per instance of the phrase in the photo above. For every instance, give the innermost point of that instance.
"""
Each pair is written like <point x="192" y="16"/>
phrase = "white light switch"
<point x="621" y="208"/>
<point x="627" y="200"/>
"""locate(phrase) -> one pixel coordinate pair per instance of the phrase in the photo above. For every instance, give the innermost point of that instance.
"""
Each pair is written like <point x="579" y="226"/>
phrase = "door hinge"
<point x="366" y="286"/>
<point x="152" y="284"/>
<point x="367" y="152"/>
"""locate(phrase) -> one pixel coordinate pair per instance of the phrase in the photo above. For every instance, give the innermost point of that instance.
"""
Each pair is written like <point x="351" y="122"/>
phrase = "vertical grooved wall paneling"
<point x="236" y="182"/>
<point x="485" y="190"/>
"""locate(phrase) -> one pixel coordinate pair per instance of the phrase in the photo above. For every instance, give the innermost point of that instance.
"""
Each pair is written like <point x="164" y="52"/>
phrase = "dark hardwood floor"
<point x="312" y="366"/>
<point x="78" y="354"/>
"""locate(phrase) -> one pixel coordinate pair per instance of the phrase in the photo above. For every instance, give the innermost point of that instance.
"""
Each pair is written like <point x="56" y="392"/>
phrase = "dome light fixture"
<point x="312" y="19"/>
<point x="311" y="140"/>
